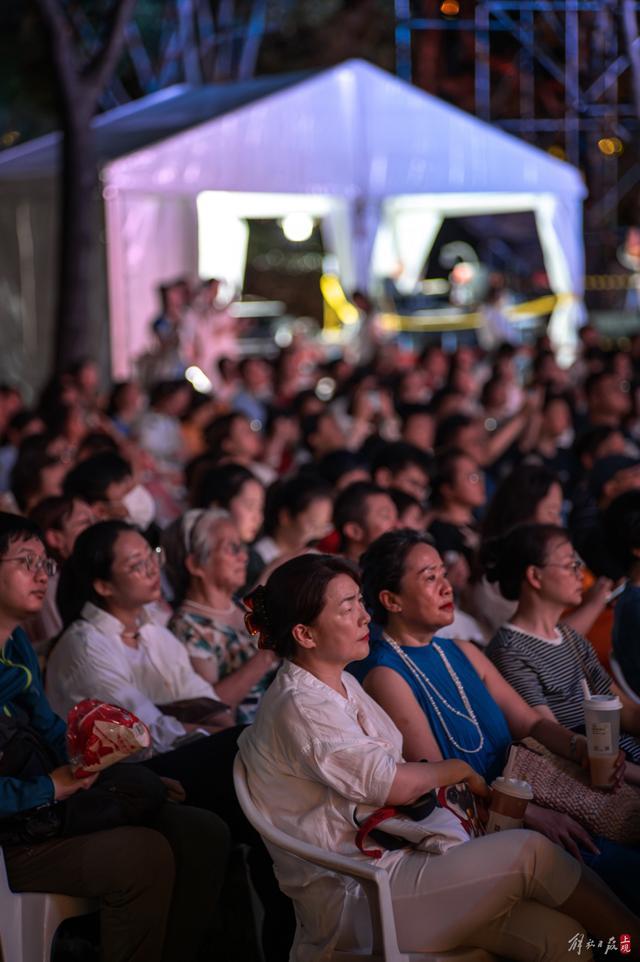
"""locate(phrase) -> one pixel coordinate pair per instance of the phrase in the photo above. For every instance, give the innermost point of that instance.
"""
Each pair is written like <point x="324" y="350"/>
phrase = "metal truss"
<point x="562" y="74"/>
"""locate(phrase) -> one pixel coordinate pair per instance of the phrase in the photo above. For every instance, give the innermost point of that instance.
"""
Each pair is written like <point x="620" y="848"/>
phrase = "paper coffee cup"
<point x="508" y="804"/>
<point x="602" y="726"/>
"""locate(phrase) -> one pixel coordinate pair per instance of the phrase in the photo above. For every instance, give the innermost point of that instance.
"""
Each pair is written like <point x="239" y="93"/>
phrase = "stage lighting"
<point x="450" y="8"/>
<point x="297" y="226"/>
<point x="198" y="380"/>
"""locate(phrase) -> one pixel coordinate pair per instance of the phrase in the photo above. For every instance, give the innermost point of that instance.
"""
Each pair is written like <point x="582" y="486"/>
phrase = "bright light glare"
<point x="325" y="388"/>
<point x="297" y="227"/>
<point x="198" y="380"/>
<point x="222" y="241"/>
<point x="283" y="337"/>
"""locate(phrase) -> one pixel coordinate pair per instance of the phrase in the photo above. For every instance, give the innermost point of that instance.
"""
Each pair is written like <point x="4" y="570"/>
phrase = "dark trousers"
<point x="156" y="886"/>
<point x="205" y="769"/>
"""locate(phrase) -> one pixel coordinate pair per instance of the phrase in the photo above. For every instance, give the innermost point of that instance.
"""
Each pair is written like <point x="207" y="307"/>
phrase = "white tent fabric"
<point x="394" y="161"/>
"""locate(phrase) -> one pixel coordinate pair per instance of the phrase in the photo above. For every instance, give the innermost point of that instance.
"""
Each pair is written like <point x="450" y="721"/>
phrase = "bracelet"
<point x="572" y="747"/>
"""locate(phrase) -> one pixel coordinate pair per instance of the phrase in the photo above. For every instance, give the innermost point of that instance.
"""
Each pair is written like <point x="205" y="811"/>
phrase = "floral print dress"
<point x="220" y="636"/>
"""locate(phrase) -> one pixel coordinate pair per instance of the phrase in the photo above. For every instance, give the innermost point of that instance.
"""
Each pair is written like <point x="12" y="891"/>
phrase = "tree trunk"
<point x="80" y="87"/>
<point x="75" y="328"/>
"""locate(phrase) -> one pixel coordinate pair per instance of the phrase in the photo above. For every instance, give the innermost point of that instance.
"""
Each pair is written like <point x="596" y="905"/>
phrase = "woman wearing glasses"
<point x="541" y="656"/>
<point x="111" y="648"/>
<point x="450" y="701"/>
<point x="207" y="567"/>
<point x="156" y="884"/>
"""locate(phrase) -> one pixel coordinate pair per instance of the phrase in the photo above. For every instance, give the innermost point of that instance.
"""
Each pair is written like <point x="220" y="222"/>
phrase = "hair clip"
<point x="255" y="619"/>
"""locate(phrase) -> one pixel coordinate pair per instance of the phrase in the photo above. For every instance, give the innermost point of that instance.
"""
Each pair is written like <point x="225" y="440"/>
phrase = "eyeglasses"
<point x="232" y="547"/>
<point x="33" y="564"/>
<point x="576" y="566"/>
<point x="149" y="565"/>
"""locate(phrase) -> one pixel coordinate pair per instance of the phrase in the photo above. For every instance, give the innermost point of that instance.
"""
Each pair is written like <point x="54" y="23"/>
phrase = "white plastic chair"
<point x="620" y="680"/>
<point x="372" y="878"/>
<point x="29" y="920"/>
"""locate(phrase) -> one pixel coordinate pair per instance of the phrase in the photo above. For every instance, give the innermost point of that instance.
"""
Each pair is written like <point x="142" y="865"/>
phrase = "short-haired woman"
<point x="207" y="567"/>
<point x="320" y="747"/>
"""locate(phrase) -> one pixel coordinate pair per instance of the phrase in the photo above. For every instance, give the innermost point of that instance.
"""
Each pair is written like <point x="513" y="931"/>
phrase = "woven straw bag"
<point x="563" y="786"/>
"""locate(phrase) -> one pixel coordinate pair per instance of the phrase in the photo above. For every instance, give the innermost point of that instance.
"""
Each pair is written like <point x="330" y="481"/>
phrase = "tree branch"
<point x="97" y="72"/>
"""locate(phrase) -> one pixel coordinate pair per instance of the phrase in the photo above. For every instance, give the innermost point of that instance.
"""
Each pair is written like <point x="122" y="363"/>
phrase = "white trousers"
<point x="498" y="893"/>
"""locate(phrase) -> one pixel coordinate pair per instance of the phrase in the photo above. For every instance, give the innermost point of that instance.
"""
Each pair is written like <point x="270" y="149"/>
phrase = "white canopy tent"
<point x="378" y="162"/>
<point x="381" y="164"/>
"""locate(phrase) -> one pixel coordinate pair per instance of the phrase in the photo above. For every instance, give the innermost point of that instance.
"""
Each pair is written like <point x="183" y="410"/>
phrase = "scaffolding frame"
<point x="576" y="45"/>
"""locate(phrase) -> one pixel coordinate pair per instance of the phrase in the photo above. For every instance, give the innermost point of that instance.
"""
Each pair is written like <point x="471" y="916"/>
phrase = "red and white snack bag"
<point x="99" y="735"/>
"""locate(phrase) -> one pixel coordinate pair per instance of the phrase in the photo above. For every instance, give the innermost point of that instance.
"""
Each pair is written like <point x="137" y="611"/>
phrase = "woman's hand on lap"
<point x="65" y="783"/>
<point x="561" y="829"/>
<point x="175" y="791"/>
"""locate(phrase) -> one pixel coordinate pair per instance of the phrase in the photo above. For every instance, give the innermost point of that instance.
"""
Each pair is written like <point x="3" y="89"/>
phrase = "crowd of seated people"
<point x="488" y="504"/>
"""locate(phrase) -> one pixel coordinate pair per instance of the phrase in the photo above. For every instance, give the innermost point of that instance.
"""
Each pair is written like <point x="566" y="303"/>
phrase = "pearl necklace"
<point x="430" y="689"/>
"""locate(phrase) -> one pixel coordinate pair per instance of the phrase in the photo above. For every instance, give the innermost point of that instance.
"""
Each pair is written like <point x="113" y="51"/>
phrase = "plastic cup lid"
<point x="603" y="703"/>
<point x="513" y="786"/>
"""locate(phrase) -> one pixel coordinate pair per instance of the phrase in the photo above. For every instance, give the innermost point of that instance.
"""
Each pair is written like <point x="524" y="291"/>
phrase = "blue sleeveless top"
<point x="490" y="760"/>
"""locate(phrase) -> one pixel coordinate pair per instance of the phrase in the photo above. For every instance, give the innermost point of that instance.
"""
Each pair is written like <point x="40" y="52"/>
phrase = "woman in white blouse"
<point x="320" y="747"/>
<point x="111" y="648"/>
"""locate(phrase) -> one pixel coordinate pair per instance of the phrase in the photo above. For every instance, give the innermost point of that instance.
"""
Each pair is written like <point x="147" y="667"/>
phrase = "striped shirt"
<point x="549" y="672"/>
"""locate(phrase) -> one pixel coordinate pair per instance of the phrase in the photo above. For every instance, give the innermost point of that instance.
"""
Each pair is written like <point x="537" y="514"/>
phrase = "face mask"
<point x="141" y="508"/>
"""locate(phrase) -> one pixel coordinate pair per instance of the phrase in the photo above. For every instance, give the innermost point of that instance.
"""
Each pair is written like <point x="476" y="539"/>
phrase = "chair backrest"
<point x="373" y="879"/>
<point x="288" y="843"/>
<point x="621" y="681"/>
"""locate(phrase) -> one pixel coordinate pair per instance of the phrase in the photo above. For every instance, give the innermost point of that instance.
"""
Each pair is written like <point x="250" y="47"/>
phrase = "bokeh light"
<point x="610" y="146"/>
